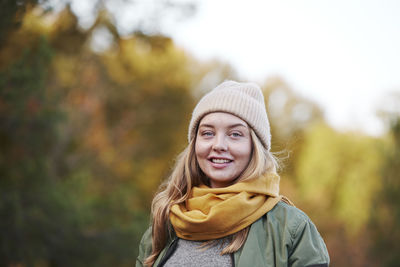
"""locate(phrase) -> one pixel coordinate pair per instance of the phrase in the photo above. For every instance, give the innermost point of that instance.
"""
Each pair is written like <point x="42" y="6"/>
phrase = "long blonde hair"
<point x="178" y="187"/>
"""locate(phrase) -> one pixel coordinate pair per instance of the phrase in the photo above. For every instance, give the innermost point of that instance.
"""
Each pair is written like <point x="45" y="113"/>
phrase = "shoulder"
<point x="145" y="245"/>
<point x="284" y="209"/>
<point x="287" y="217"/>
<point x="286" y="234"/>
<point x="305" y="245"/>
<point x="146" y="238"/>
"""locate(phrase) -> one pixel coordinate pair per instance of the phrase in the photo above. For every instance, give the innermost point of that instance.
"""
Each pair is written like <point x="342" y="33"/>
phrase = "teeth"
<point x="220" y="160"/>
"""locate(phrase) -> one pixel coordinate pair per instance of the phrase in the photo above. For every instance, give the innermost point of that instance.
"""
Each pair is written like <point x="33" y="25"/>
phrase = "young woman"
<point x="221" y="205"/>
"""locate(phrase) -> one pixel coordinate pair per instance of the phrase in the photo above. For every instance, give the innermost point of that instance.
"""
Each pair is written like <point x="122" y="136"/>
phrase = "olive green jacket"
<point x="285" y="236"/>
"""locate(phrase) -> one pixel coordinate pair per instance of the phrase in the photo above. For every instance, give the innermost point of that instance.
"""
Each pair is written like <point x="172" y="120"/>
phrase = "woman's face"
<point x="223" y="147"/>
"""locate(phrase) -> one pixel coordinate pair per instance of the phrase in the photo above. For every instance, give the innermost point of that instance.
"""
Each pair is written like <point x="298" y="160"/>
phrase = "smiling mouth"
<point x="220" y="160"/>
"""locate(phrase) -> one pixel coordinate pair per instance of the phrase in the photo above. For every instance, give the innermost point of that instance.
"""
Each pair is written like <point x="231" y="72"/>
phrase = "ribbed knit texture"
<point x="244" y="100"/>
<point x="212" y="213"/>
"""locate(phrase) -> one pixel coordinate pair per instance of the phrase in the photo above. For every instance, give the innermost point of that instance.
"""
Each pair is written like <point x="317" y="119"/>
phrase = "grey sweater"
<point x="190" y="253"/>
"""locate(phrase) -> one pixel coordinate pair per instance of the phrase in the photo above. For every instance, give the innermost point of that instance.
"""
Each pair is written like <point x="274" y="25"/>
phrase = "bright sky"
<point x="343" y="54"/>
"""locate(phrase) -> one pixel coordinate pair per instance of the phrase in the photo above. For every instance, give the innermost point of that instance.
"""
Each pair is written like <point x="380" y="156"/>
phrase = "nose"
<point x="220" y="143"/>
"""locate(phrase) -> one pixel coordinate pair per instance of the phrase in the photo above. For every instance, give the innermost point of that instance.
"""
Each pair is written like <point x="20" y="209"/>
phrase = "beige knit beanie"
<point x="244" y="100"/>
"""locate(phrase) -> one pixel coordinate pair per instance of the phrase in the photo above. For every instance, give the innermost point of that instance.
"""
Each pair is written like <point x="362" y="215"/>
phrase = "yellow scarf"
<point x="212" y="213"/>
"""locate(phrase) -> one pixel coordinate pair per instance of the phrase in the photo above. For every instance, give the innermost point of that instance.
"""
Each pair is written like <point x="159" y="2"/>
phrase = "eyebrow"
<point x="230" y="126"/>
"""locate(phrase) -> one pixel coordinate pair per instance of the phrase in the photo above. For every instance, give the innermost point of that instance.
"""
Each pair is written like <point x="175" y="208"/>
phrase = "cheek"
<point x="200" y="149"/>
<point x="200" y="156"/>
<point x="244" y="152"/>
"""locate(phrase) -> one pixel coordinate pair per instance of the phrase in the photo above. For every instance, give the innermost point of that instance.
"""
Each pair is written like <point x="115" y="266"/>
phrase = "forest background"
<point x="88" y="134"/>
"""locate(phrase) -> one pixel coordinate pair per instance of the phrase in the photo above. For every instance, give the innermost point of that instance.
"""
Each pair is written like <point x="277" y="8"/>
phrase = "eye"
<point x="207" y="133"/>
<point x="236" y="134"/>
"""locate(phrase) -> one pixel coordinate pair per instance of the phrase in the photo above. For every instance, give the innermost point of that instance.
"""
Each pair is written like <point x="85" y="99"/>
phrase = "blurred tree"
<point x="125" y="107"/>
<point x="32" y="205"/>
<point x="85" y="139"/>
<point x="290" y="116"/>
<point x="11" y="15"/>
<point x="385" y="213"/>
<point x="289" y="113"/>
<point x="337" y="175"/>
<point x="339" y="172"/>
<point x="330" y="175"/>
<point x="211" y="73"/>
<point x="131" y="17"/>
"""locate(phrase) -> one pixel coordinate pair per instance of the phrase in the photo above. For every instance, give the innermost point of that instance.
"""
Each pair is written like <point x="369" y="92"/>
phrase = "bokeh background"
<point x="95" y="99"/>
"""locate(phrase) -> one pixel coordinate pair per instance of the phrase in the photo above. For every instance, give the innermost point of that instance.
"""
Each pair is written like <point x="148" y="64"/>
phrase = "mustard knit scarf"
<point x="212" y="213"/>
